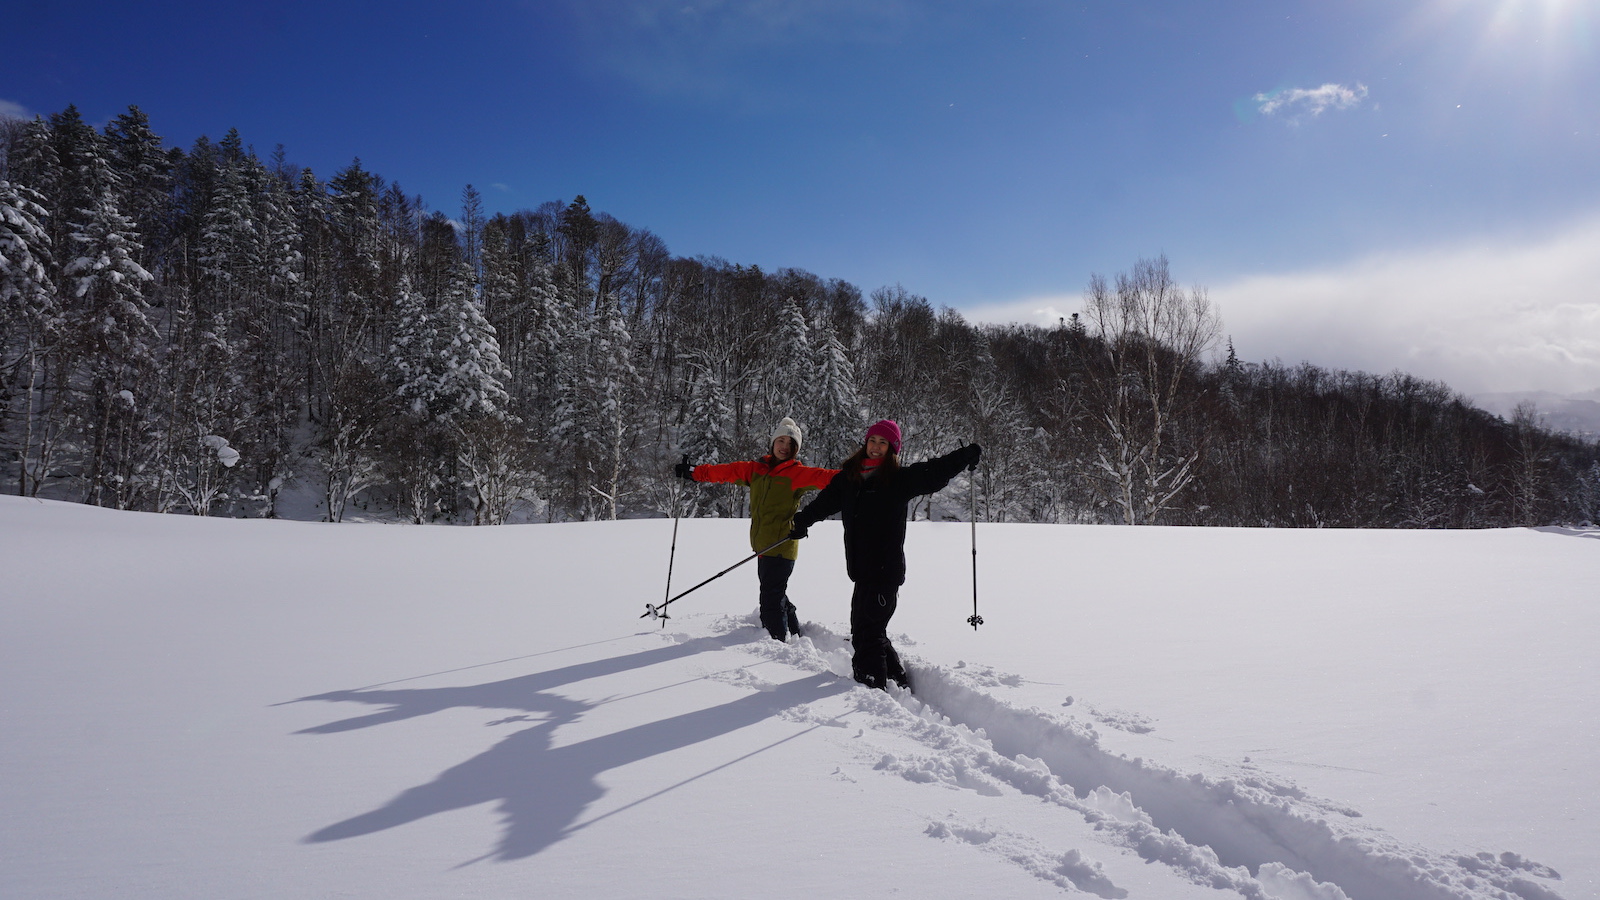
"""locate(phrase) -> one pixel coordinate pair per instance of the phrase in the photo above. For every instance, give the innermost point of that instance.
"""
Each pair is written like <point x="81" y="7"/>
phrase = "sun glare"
<point x="1541" y="19"/>
<point x="1470" y="40"/>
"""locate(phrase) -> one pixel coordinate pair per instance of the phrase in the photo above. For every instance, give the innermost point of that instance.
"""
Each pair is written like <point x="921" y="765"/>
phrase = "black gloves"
<point x="798" y="531"/>
<point x="969" y="456"/>
<point x="684" y="470"/>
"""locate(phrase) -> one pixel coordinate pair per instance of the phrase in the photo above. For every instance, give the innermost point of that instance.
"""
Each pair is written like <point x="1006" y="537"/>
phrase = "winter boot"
<point x="772" y="619"/>
<point x="895" y="670"/>
<point x="794" y="619"/>
<point x="871" y="681"/>
<point x="865" y="674"/>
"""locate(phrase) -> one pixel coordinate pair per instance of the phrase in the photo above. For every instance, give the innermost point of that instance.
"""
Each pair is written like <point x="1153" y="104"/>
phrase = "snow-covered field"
<point x="258" y="709"/>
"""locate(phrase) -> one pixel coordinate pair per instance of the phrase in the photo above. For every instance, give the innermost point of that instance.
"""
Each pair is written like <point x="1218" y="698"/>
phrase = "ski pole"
<point x="972" y="492"/>
<point x="650" y="609"/>
<point x="673" y="554"/>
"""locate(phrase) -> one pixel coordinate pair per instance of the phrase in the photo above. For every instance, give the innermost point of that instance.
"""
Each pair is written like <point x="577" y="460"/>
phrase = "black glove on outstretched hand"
<point x="970" y="454"/>
<point x="798" y="531"/>
<point x="684" y="470"/>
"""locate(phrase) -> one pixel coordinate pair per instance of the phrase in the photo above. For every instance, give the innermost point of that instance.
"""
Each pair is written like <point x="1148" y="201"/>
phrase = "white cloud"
<point x="1046" y="311"/>
<point x="1484" y="317"/>
<point x="1296" y="102"/>
<point x="1491" y="316"/>
<point x="12" y="110"/>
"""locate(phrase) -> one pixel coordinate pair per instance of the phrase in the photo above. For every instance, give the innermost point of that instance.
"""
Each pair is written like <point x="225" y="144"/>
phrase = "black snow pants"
<point x="875" y="661"/>
<point x="778" y="615"/>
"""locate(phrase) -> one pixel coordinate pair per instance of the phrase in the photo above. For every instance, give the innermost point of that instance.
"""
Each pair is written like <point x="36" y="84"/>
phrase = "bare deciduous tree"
<point x="1528" y="460"/>
<point x="1153" y="334"/>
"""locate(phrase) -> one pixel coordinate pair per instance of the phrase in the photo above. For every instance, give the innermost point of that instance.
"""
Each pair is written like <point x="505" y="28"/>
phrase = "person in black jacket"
<point x="872" y="494"/>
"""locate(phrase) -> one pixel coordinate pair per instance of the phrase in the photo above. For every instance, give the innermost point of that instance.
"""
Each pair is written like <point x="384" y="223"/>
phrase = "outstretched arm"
<point x="808" y="478"/>
<point x="932" y="475"/>
<point x="829" y="501"/>
<point x="725" y="473"/>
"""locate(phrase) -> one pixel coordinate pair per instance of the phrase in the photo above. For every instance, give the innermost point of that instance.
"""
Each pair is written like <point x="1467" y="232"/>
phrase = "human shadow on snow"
<point x="1588" y="531"/>
<point x="521" y="693"/>
<point x="542" y="789"/>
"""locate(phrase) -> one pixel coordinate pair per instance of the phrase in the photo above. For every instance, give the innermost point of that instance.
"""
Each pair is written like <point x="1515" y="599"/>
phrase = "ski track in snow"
<point x="1213" y="832"/>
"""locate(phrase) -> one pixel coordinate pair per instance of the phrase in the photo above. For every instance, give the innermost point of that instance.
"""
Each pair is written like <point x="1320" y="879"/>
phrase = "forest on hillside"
<point x="196" y="330"/>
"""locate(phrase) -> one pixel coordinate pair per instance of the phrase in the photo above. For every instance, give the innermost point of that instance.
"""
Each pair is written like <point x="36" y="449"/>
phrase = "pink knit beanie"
<point x="889" y="431"/>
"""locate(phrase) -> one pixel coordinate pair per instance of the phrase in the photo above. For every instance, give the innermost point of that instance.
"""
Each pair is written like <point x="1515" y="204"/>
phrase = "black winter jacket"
<point x="874" y="514"/>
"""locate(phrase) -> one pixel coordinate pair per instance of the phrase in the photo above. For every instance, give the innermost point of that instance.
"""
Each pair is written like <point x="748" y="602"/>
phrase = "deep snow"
<point x="225" y="708"/>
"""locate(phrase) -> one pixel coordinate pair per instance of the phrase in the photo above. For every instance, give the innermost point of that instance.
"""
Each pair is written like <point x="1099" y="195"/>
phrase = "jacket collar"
<point x="773" y="465"/>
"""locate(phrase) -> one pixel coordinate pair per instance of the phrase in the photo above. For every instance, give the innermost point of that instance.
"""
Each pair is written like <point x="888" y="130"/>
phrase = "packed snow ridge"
<point x="1261" y="838"/>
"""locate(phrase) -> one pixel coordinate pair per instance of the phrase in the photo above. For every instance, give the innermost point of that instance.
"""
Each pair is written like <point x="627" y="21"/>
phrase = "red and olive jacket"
<point x="775" y="489"/>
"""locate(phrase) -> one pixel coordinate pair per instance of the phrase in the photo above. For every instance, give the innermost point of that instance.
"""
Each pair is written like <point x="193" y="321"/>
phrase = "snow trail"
<point x="1259" y="837"/>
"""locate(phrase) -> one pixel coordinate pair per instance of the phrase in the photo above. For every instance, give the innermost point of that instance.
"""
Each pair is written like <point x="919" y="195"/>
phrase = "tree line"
<point x="196" y="330"/>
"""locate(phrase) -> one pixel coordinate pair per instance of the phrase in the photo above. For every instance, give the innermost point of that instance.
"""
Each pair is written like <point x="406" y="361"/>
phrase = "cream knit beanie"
<point x="787" y="427"/>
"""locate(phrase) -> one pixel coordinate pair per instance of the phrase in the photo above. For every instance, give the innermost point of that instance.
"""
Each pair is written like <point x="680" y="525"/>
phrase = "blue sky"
<point x="1355" y="183"/>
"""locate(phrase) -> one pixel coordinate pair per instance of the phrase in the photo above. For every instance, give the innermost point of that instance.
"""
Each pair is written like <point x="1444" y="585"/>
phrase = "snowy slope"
<point x="223" y="708"/>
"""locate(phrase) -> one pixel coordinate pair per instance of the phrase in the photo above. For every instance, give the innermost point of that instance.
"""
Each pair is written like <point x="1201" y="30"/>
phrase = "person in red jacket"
<point x="776" y="482"/>
<point x="872" y="495"/>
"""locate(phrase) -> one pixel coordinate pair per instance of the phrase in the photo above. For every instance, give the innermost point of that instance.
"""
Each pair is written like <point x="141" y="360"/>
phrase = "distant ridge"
<point x="1572" y="413"/>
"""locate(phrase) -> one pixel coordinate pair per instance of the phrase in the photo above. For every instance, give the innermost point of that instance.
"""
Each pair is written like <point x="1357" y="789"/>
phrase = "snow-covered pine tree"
<point x="550" y="320"/>
<point x="612" y="406"/>
<point x="571" y="335"/>
<point x="1588" y="497"/>
<point x="208" y="402"/>
<point x="490" y="446"/>
<point x="31" y="160"/>
<point x="28" y="319"/>
<point x="448" y="376"/>
<point x="347" y="384"/>
<point x="107" y="320"/>
<point x="703" y="437"/>
<point x="472" y="378"/>
<point x="413" y="351"/>
<point x="86" y="177"/>
<point x="280" y="236"/>
<point x="704" y="433"/>
<point x="42" y="355"/>
<point x="1230" y="377"/>
<point x="357" y="234"/>
<point x="247" y="277"/>
<point x="414" y="371"/>
<point x="837" y="424"/>
<point x="272" y="348"/>
<point x="230" y="242"/>
<point x="502" y="292"/>
<point x="472" y="231"/>
<point x="146" y="172"/>
<point x="24" y="252"/>
<point x="194" y="175"/>
<point x="788" y="374"/>
<point x="577" y="233"/>
<point x="33" y="164"/>
<point x="433" y="266"/>
<point x="314" y="246"/>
